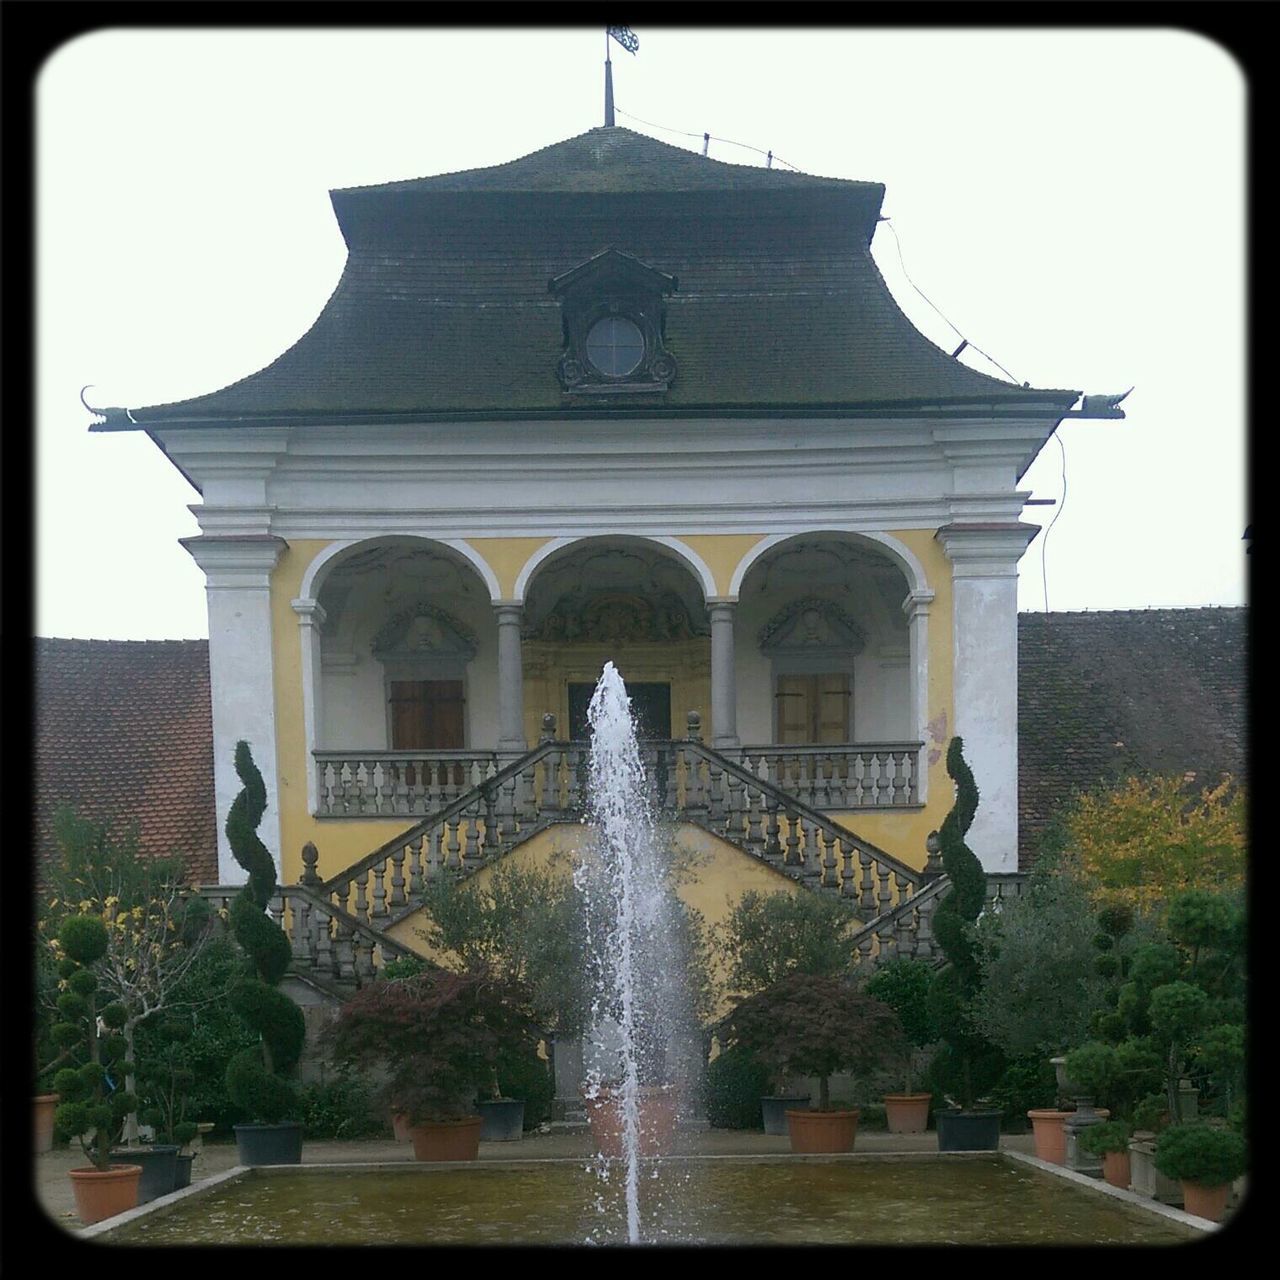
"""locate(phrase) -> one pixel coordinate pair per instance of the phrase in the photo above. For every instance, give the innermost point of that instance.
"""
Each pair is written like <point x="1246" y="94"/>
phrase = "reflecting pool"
<point x="976" y="1200"/>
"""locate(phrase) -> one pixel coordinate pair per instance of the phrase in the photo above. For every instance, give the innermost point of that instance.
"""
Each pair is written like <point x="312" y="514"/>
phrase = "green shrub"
<point x="734" y="1084"/>
<point x="1026" y="1084"/>
<point x="1200" y="1153"/>
<point x="343" y="1108"/>
<point x="527" y="1076"/>
<point x="1107" y="1138"/>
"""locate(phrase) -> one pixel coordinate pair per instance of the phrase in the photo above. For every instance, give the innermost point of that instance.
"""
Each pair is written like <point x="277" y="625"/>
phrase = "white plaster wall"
<point x="986" y="701"/>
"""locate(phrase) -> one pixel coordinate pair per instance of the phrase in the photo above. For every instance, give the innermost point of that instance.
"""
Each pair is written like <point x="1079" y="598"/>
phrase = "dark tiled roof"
<point x="124" y="733"/>
<point x="443" y="305"/>
<point x="1102" y="696"/>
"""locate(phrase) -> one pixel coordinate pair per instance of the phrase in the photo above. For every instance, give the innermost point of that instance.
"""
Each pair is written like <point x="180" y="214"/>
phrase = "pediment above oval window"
<point x="812" y="625"/>
<point x="424" y="630"/>
<point x="613" y="318"/>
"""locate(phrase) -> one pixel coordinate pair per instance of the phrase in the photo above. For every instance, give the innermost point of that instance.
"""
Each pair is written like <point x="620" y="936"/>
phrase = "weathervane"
<point x="630" y="42"/>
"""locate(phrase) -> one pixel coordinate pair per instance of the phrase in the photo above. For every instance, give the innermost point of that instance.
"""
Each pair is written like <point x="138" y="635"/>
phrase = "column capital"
<point x="310" y="612"/>
<point x="916" y="604"/>
<point x="236" y="560"/>
<point x="719" y="607"/>
<point x="986" y="549"/>
<point x="508" y="611"/>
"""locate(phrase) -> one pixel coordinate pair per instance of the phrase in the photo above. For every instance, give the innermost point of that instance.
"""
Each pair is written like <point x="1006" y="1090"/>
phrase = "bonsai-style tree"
<point x="432" y="1036"/>
<point x="164" y="1084"/>
<point x="1200" y="1153"/>
<point x="903" y="984"/>
<point x="92" y="1099"/>
<point x="1109" y="1138"/>
<point x="156" y="930"/>
<point x="814" y="1026"/>
<point x="258" y="1077"/>
<point x="967" y="1062"/>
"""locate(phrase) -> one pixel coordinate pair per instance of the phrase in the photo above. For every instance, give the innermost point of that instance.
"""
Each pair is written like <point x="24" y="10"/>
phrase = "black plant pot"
<point x="159" y="1169"/>
<point x="503" y="1119"/>
<point x="773" y="1111"/>
<point x="184" y="1172"/>
<point x="269" y="1143"/>
<point x="968" y="1130"/>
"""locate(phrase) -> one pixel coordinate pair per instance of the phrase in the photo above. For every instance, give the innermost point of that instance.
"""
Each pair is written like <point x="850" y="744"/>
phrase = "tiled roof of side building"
<point x="124" y="734"/>
<point x="1103" y="696"/>
<point x="445" y="308"/>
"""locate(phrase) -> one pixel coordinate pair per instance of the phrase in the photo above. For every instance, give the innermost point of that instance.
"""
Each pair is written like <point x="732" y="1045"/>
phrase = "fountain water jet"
<point x="626" y="892"/>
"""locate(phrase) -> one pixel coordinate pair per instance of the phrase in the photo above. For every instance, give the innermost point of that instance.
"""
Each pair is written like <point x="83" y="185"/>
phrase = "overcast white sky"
<point x="1072" y="201"/>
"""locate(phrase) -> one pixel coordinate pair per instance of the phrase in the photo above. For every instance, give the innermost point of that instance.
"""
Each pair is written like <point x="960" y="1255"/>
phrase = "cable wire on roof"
<point x="684" y="133"/>
<point x="966" y="342"/>
<point x="1062" y="502"/>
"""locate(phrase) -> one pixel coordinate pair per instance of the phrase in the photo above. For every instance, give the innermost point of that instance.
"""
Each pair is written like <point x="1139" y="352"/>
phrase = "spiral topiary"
<point x="968" y="1062"/>
<point x="257" y="1078"/>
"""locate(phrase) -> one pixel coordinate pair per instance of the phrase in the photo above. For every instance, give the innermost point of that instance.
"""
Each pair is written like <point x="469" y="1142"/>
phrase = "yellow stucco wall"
<point x="341" y="842"/>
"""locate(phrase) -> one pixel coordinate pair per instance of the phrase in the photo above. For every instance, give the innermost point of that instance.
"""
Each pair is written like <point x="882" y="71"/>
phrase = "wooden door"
<point x="813" y="709"/>
<point x="427" y="715"/>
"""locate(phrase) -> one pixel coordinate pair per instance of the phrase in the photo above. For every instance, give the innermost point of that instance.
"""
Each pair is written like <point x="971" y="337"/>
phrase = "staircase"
<point x="338" y="927"/>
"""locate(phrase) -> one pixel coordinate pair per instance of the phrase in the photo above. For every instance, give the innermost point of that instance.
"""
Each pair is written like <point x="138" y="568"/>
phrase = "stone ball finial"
<point x="310" y="856"/>
<point x="548" y="727"/>
<point x="695" y="726"/>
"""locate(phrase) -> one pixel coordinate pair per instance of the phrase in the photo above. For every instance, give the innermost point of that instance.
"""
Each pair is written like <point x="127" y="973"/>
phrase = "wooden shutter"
<point x="793" y="710"/>
<point x="831" y="703"/>
<point x="427" y="715"/>
<point x="812" y="709"/>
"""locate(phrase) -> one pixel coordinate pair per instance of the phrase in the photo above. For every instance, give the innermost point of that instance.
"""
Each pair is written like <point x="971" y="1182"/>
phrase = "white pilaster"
<point x="916" y="607"/>
<point x="724" y="682"/>
<point x="241" y="676"/>
<point x="510" y="678"/>
<point x="311" y="618"/>
<point x="984" y="574"/>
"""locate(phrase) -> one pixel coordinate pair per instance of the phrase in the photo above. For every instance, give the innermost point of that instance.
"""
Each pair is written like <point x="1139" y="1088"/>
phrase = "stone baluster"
<point x="275" y="909"/>
<point x="345" y="946"/>
<point x="324" y="786"/>
<point x="811" y="855"/>
<point x="416" y="881"/>
<point x="491" y="805"/>
<point x="885" y="895"/>
<point x="924" y="927"/>
<point x="772" y="845"/>
<point x="755" y="817"/>
<point x="848" y="877"/>
<point x="471" y="819"/>
<point x="300" y="909"/>
<point x="362" y="901"/>
<point x="324" y="942"/>
<point x="453" y="859"/>
<point x="507" y="809"/>
<point x="365" y="970"/>
<point x="398" y="898"/>
<point x="379" y="871"/>
<point x="733" y="818"/>
<point x="830" y="871"/>
<point x="885" y="937"/>
<point x="715" y="794"/>
<point x="867" y="894"/>
<point x="792" y="856"/>
<point x="865" y="943"/>
<point x="582" y="780"/>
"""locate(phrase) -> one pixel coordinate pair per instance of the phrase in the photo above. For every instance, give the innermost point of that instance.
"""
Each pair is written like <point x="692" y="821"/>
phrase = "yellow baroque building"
<point x="610" y="401"/>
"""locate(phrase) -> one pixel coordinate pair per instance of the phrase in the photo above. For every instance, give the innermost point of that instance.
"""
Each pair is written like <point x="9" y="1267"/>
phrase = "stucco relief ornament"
<point x="571" y="371"/>
<point x="425" y="628"/>
<point x="811" y="623"/>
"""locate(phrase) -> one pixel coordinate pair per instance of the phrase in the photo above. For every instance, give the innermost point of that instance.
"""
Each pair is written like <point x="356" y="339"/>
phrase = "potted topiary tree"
<point x="431" y="1036"/>
<point x="769" y="936"/>
<point x="816" y="1026"/>
<point x="258" y="1077"/>
<point x="967" y="1062"/>
<point x="903" y="984"/>
<point x="93" y="1107"/>
<point x="163" y="1083"/>
<point x="1206" y="1160"/>
<point x="1109" y="1141"/>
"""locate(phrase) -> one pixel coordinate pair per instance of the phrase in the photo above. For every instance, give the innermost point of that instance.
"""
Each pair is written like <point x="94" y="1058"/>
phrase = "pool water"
<point x="968" y="1201"/>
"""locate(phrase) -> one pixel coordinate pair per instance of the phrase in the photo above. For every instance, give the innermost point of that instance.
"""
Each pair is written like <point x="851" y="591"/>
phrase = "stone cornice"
<point x="986" y="549"/>
<point x="236" y="561"/>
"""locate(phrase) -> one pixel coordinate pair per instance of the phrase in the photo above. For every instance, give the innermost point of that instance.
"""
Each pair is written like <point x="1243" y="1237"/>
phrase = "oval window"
<point x="615" y="346"/>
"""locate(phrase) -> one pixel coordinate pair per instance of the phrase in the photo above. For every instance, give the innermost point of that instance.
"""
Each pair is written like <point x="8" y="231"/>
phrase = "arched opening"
<point x="407" y="650"/>
<point x="827" y="673"/>
<point x="631" y="601"/>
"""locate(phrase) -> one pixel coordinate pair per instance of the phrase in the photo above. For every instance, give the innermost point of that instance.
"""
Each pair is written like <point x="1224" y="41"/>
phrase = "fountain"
<point x="634" y="939"/>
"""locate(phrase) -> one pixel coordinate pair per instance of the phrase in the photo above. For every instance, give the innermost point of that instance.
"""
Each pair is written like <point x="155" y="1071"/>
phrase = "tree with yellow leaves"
<point x="1141" y="843"/>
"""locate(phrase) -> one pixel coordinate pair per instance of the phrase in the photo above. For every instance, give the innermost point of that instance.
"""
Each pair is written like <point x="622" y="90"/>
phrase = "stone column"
<point x="241" y="676"/>
<point x="724" y="685"/>
<point x="311" y="618"/>
<point x="916" y="607"/>
<point x="984" y="579"/>
<point x="510" y="679"/>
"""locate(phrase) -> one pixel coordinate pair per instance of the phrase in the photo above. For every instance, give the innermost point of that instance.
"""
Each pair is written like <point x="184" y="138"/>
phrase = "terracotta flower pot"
<point x="1115" y="1168"/>
<point x="45" y="1105"/>
<point x="447" y="1139"/>
<point x="819" y="1132"/>
<point x="657" y="1121"/>
<point x="1205" y="1202"/>
<point x="103" y="1193"/>
<point x="1050" y="1137"/>
<point x="907" y="1112"/>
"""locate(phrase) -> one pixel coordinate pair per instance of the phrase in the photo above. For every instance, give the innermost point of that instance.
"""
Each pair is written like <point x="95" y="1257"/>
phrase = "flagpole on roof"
<point x="608" y="83"/>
